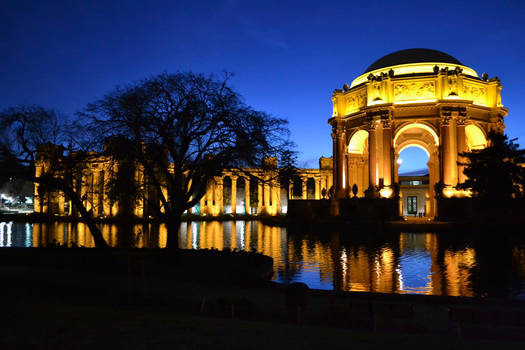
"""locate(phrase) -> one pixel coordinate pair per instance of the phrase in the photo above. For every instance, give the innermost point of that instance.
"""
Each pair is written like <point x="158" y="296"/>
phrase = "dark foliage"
<point x="496" y="172"/>
<point x="30" y="150"/>
<point x="183" y="129"/>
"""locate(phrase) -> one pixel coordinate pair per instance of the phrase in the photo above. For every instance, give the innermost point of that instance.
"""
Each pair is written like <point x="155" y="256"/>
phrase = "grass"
<point x="53" y="324"/>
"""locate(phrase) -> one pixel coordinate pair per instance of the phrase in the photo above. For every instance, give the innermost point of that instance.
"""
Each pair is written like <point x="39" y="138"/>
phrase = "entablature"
<point x="443" y="86"/>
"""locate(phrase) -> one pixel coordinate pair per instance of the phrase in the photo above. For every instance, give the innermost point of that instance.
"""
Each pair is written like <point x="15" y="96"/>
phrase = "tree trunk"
<point x="173" y="225"/>
<point x="100" y="242"/>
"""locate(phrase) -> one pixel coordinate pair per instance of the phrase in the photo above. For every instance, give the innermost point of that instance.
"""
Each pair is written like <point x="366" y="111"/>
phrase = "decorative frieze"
<point x="478" y="94"/>
<point x="423" y="90"/>
<point x="355" y="101"/>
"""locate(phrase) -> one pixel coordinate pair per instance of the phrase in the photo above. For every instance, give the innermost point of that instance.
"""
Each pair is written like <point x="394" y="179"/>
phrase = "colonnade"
<point x="261" y="194"/>
<point x="227" y="194"/>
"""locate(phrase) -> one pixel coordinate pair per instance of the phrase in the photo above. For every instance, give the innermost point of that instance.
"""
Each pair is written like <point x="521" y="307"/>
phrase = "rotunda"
<point x="416" y="97"/>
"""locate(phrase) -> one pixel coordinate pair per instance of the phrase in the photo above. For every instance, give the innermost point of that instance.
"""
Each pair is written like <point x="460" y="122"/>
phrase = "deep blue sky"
<point x="287" y="56"/>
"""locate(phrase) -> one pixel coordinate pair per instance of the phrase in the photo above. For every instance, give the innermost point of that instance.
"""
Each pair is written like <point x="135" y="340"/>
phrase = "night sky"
<point x="287" y="56"/>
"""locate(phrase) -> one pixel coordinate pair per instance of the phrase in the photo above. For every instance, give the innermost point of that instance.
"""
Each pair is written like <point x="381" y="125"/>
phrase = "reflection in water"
<point x="422" y="263"/>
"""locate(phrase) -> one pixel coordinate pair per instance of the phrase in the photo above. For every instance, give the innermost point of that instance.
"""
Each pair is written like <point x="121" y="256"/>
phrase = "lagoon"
<point x="445" y="263"/>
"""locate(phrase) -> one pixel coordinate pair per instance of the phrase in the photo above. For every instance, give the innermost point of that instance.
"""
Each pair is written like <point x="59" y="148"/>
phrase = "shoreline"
<point x="410" y="224"/>
<point x="248" y="296"/>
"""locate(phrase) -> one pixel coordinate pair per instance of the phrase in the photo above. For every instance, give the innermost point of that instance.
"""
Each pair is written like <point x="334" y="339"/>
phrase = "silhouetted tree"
<point x="183" y="129"/>
<point x="495" y="172"/>
<point x="33" y="135"/>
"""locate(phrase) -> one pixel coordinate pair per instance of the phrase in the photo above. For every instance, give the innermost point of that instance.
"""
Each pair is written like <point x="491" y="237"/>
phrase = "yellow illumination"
<point x="449" y="192"/>
<point x="413" y="68"/>
<point x="420" y="126"/>
<point x="475" y="137"/>
<point x="385" y="192"/>
<point x="358" y="142"/>
<point x="415" y="100"/>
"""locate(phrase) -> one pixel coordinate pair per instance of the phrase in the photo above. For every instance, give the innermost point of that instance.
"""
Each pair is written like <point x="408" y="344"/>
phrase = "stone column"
<point x="338" y="137"/>
<point x="317" y="188"/>
<point x="247" y="196"/>
<point x="449" y="151"/>
<point x="462" y="146"/>
<point x="372" y="155"/>
<point x="387" y="153"/>
<point x="217" y="197"/>
<point x="95" y="191"/>
<point x="234" y="195"/>
<point x="260" y="197"/>
<point x="396" y="167"/>
<point x="304" y="189"/>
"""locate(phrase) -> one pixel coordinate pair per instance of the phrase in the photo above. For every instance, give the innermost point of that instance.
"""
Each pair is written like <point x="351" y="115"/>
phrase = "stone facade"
<point x="443" y="108"/>
<point x="258" y="193"/>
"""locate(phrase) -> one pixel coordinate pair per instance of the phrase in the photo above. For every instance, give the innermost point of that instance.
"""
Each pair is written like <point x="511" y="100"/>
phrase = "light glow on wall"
<point x="475" y="137"/>
<point x="413" y="68"/>
<point x="420" y="126"/>
<point x="385" y="192"/>
<point x="358" y="141"/>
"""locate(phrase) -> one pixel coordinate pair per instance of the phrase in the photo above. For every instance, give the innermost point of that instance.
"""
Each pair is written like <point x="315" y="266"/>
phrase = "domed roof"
<point x="412" y="56"/>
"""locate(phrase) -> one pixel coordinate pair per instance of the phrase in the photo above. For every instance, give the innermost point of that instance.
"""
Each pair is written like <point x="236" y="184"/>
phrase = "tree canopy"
<point x="496" y="172"/>
<point x="32" y="143"/>
<point x="183" y="129"/>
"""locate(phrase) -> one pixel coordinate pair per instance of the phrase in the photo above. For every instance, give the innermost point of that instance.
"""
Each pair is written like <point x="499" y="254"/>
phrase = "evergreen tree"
<point x="496" y="172"/>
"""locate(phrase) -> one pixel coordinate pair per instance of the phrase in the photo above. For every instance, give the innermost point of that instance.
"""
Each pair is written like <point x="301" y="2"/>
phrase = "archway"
<point x="413" y="175"/>
<point x="357" y="162"/>
<point x="416" y="144"/>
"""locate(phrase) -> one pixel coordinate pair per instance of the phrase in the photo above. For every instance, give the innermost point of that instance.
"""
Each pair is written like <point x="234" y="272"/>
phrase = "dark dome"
<point x="412" y="56"/>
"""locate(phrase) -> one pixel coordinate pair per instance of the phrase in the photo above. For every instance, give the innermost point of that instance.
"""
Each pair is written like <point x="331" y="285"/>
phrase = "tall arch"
<point x="426" y="138"/>
<point x="357" y="162"/>
<point x="358" y="142"/>
<point x="475" y="137"/>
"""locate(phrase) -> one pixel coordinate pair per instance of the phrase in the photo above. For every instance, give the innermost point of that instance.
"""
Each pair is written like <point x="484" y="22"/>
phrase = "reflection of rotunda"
<point x="417" y="97"/>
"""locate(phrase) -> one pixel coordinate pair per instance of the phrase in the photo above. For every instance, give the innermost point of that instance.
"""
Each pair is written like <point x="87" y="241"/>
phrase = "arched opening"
<point x="413" y="175"/>
<point x="416" y="169"/>
<point x="475" y="137"/>
<point x="358" y="142"/>
<point x="357" y="166"/>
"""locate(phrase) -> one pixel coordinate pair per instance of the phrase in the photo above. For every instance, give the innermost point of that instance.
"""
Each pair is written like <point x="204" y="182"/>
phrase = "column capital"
<point x="461" y="120"/>
<point x="387" y="123"/>
<point x="337" y="132"/>
<point x="444" y="119"/>
<point x="370" y="124"/>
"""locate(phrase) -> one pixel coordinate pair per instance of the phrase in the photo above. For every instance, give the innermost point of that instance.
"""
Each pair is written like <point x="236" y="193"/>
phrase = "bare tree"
<point x="182" y="130"/>
<point x="31" y="149"/>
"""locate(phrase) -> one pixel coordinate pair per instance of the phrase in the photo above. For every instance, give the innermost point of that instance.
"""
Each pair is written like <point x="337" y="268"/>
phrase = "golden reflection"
<point x="163" y="235"/>
<point x="414" y="263"/>
<point x="457" y="268"/>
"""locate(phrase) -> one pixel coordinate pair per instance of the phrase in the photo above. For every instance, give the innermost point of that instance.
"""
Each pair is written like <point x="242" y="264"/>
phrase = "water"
<point x="417" y="263"/>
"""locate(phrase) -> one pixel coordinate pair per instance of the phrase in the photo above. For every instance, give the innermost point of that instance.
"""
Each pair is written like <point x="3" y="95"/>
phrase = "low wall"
<point x="359" y="209"/>
<point x="481" y="211"/>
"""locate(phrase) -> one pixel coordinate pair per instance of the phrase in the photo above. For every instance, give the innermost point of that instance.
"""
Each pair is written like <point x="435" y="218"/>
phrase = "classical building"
<point x="417" y="97"/>
<point x="254" y="192"/>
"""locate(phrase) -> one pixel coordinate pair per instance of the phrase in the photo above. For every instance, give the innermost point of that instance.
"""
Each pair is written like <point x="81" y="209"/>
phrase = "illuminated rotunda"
<point x="416" y="97"/>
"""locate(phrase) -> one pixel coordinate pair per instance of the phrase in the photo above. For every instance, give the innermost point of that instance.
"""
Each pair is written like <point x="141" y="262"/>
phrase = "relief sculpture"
<point x="414" y="91"/>
<point x="475" y="93"/>
<point x="355" y="101"/>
